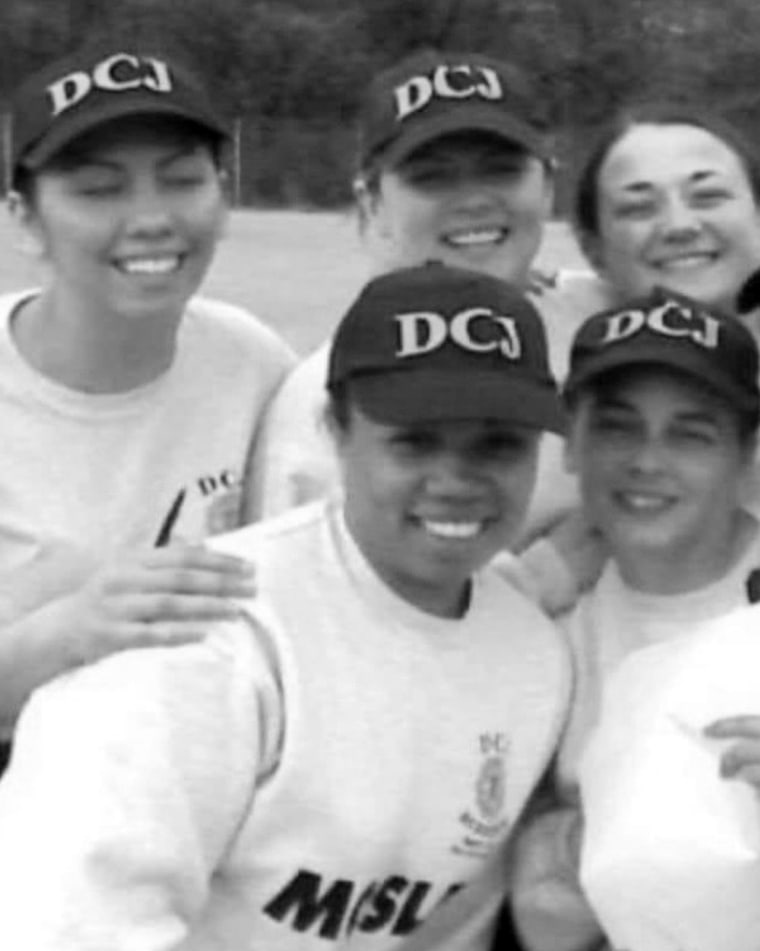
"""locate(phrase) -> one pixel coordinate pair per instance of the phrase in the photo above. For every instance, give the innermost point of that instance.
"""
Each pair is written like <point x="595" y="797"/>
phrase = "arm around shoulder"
<point x="128" y="781"/>
<point x="293" y="460"/>
<point x="556" y="568"/>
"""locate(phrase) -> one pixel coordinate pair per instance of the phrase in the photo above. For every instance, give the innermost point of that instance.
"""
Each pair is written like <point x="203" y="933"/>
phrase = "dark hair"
<point x="339" y="403"/>
<point x="746" y="420"/>
<point x="585" y="211"/>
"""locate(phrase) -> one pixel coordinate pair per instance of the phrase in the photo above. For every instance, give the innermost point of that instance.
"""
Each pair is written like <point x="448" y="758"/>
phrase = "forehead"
<point x="655" y="154"/>
<point x="126" y="136"/>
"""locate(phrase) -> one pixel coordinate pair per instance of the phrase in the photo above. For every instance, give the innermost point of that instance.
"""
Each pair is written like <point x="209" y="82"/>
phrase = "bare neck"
<point x="81" y="347"/>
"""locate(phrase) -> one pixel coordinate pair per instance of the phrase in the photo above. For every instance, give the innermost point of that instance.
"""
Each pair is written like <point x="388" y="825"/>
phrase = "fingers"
<point x="192" y="582"/>
<point x="742" y="759"/>
<point x="175" y="607"/>
<point x="730" y="728"/>
<point x="741" y="762"/>
<point x="185" y="570"/>
<point x="136" y="634"/>
<point x="197" y="558"/>
<point x="166" y="596"/>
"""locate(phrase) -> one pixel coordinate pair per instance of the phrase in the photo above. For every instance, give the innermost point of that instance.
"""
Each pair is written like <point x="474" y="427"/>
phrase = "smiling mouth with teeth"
<point x="643" y="502"/>
<point x="453" y="530"/>
<point x="476" y="237"/>
<point x="155" y="265"/>
<point x="687" y="261"/>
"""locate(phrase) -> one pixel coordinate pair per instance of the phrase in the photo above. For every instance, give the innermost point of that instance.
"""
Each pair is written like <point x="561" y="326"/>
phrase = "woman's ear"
<point x="367" y="202"/>
<point x="28" y="238"/>
<point x="18" y="207"/>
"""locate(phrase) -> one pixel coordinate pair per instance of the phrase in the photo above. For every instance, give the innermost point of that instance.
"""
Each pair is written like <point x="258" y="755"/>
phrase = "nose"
<point x="149" y="212"/>
<point x="474" y="197"/>
<point x="679" y="221"/>
<point x="646" y="457"/>
<point x="452" y="476"/>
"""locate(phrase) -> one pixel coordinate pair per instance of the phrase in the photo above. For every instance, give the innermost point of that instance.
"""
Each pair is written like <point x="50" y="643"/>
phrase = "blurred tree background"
<point x="291" y="71"/>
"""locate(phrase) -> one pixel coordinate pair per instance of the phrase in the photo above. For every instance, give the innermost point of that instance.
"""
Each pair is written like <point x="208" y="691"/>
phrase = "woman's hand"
<point x="165" y="596"/>
<point x="742" y="759"/>
<point x="580" y="546"/>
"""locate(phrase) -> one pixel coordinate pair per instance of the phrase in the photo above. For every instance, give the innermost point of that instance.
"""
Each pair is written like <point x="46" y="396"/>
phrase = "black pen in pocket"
<point x="165" y="532"/>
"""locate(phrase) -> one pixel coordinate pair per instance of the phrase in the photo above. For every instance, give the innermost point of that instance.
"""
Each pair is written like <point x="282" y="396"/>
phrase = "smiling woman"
<point x="669" y="196"/>
<point x="128" y="405"/>
<point x="348" y="756"/>
<point x="127" y="217"/>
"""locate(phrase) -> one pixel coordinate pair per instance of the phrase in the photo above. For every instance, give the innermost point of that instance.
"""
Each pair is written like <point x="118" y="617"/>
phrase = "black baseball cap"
<point x="430" y="94"/>
<point x="675" y="331"/>
<point x="95" y="85"/>
<point x="434" y="343"/>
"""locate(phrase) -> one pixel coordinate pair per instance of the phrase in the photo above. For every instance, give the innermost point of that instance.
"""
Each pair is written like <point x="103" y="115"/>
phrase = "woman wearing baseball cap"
<point x="354" y="750"/>
<point x="454" y="163"/>
<point x="664" y="402"/>
<point x="668" y="194"/>
<point x="127" y="404"/>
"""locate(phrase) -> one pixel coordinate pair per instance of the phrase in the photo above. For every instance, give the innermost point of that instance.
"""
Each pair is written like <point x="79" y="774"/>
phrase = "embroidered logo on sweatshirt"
<point x="490" y="786"/>
<point x="484" y="820"/>
<point x="210" y="505"/>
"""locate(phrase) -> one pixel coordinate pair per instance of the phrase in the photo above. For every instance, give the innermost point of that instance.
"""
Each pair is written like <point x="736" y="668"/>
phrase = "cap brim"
<point x="658" y="354"/>
<point x="474" y="118"/>
<point x="403" y="398"/>
<point x="139" y="103"/>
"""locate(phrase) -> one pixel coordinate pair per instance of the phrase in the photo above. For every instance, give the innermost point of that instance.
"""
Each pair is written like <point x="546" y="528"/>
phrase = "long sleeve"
<point x="542" y="575"/>
<point x="294" y="460"/>
<point x="34" y="641"/>
<point x="127" y="783"/>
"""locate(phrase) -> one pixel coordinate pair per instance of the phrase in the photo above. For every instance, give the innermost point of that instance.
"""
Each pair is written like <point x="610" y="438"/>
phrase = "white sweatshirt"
<point x="96" y="473"/>
<point x="608" y="624"/>
<point x="321" y="773"/>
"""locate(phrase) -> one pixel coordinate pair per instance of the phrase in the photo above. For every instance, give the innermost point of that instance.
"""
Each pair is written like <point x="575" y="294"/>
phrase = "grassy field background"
<point x="298" y="271"/>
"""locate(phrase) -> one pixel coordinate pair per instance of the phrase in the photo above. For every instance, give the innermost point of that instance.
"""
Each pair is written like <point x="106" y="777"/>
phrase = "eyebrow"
<point x="695" y="416"/>
<point x="700" y="176"/>
<point x="94" y="159"/>
<point x="694" y="178"/>
<point x="701" y="417"/>
<point x="637" y="188"/>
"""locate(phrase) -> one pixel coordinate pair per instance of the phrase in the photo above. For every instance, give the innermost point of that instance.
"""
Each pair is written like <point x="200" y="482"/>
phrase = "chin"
<point x="657" y="539"/>
<point x="702" y="287"/>
<point x="147" y="306"/>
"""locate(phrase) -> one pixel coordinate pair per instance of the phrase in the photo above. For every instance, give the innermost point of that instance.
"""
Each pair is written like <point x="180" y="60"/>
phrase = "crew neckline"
<point x="64" y="400"/>
<point x="373" y="588"/>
